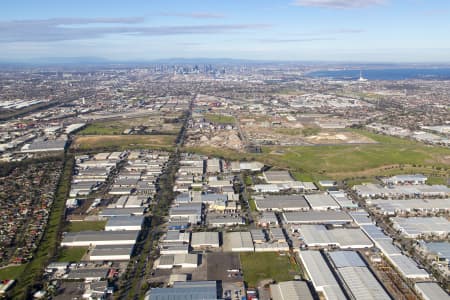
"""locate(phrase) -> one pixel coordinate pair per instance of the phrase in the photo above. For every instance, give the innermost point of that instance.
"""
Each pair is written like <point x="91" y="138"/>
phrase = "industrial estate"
<point x="228" y="181"/>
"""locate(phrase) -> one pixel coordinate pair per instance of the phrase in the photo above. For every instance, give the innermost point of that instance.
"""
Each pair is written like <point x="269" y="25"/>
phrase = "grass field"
<point x="71" y="254"/>
<point x="11" y="272"/>
<point x="117" y="127"/>
<point x="259" y="266"/>
<point x="122" y="142"/>
<point x="86" y="225"/>
<point x="219" y="119"/>
<point x="390" y="155"/>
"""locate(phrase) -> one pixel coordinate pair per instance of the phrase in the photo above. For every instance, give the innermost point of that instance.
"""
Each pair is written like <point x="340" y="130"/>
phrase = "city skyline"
<point x="288" y="30"/>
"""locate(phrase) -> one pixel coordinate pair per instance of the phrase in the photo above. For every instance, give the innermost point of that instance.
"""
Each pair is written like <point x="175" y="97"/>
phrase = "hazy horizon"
<point x="371" y="31"/>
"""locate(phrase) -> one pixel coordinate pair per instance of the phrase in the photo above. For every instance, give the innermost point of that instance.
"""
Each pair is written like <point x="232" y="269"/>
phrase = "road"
<point x="133" y="284"/>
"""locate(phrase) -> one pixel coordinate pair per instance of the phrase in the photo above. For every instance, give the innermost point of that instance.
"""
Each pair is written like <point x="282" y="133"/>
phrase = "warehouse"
<point x="423" y="206"/>
<point x="282" y="203"/>
<point x="258" y="236"/>
<point x="431" y="291"/>
<point x="124" y="223"/>
<point x="342" y="199"/>
<point x="268" y="219"/>
<point x="415" y="227"/>
<point x="175" y="236"/>
<point x="316" y="217"/>
<point x="116" y="212"/>
<point x="321" y="202"/>
<point x="321" y="276"/>
<point x="190" y="211"/>
<point x="174" y="248"/>
<point x="207" y="290"/>
<point x="318" y="236"/>
<point x="205" y="240"/>
<point x="361" y="218"/>
<point x="111" y="253"/>
<point x="439" y="251"/>
<point x="408" y="267"/>
<point x="168" y="261"/>
<point x="94" y="238"/>
<point x="88" y="274"/>
<point x="277" y="176"/>
<point x="406" y="179"/>
<point x="238" y="242"/>
<point x="290" y="290"/>
<point x="362" y="284"/>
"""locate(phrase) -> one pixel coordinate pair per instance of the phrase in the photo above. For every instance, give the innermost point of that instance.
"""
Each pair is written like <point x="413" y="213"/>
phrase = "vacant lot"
<point x="260" y="266"/>
<point x="122" y="142"/>
<point x="219" y="119"/>
<point x="11" y="272"/>
<point x="71" y="254"/>
<point x="86" y="225"/>
<point x="117" y="127"/>
<point x="390" y="155"/>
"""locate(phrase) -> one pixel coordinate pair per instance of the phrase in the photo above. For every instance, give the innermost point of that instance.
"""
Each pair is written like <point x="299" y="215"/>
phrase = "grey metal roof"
<point x="431" y="291"/>
<point x="125" y="221"/>
<point x="96" y="236"/>
<point x="190" y="290"/>
<point x="324" y="217"/>
<point x="346" y="259"/>
<point x="290" y="290"/>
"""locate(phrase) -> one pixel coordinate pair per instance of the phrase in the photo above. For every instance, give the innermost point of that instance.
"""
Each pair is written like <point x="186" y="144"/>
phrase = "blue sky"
<point x="304" y="30"/>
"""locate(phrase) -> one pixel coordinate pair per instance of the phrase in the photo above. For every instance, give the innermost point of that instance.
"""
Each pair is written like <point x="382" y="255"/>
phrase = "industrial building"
<point x="282" y="203"/>
<point x="192" y="290"/>
<point x="431" y="291"/>
<point x="205" y="240"/>
<point x="277" y="176"/>
<point x="318" y="236"/>
<point x="416" y="227"/>
<point x="168" y="261"/>
<point x="288" y="290"/>
<point x="321" y="202"/>
<point x="421" y="206"/>
<point x="111" y="253"/>
<point x="361" y="283"/>
<point x="406" y="179"/>
<point x="238" y="242"/>
<point x="94" y="238"/>
<point x="124" y="223"/>
<point x="321" y="276"/>
<point x="316" y="217"/>
<point x="190" y="211"/>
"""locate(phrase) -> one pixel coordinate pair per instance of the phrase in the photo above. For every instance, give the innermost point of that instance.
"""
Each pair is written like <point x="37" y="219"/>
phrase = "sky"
<point x="284" y="30"/>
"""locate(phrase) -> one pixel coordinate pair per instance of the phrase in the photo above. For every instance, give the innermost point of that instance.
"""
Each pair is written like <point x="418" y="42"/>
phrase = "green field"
<point x="71" y="254"/>
<point x="117" y="127"/>
<point x="260" y="266"/>
<point x="86" y="225"/>
<point x="220" y="119"/>
<point x="11" y="272"/>
<point x="123" y="142"/>
<point x="389" y="156"/>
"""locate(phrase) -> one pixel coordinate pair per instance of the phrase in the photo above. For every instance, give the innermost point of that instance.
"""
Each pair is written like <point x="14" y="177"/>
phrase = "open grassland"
<point x="219" y="119"/>
<point x="11" y="272"/>
<point x="117" y="127"/>
<point x="388" y="156"/>
<point x="260" y="266"/>
<point x="86" y="225"/>
<point x="122" y="142"/>
<point x="71" y="254"/>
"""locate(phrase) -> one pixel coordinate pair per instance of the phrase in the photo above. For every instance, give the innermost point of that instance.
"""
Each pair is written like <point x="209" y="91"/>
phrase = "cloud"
<point x="339" y="3"/>
<point x="194" y="15"/>
<point x="64" y="29"/>
<point x="304" y="40"/>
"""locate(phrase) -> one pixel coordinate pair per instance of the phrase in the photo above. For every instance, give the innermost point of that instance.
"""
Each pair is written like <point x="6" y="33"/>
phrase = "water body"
<point x="385" y="74"/>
